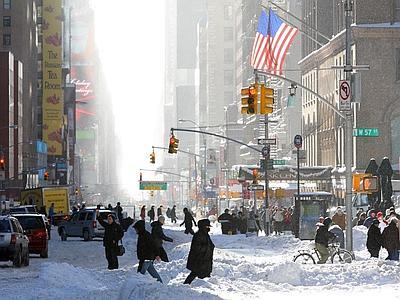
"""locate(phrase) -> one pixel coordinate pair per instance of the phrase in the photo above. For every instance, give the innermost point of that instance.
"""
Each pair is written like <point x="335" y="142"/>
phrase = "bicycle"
<point x="336" y="254"/>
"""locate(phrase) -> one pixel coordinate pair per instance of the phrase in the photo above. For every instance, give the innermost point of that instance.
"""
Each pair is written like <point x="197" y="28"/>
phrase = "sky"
<point x="130" y="40"/>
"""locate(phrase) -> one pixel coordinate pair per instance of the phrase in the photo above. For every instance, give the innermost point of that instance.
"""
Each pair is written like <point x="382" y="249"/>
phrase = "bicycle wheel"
<point x="342" y="256"/>
<point x="304" y="258"/>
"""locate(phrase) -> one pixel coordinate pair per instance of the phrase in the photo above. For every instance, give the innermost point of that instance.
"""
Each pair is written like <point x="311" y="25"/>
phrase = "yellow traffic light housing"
<point x="46" y="175"/>
<point x="152" y="158"/>
<point x="173" y="145"/>
<point x="266" y="100"/>
<point x="249" y="100"/>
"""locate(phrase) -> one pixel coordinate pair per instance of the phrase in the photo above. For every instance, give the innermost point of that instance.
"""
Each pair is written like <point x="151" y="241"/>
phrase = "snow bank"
<point x="359" y="238"/>
<point x="288" y="272"/>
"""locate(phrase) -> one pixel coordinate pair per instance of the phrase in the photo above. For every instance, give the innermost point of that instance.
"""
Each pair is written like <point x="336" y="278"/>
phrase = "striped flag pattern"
<point x="271" y="44"/>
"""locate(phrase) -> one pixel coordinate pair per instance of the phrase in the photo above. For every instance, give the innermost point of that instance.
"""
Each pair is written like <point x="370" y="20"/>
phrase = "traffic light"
<point x="255" y="176"/>
<point x="46" y="175"/>
<point x="249" y="99"/>
<point x="76" y="192"/>
<point x="152" y="158"/>
<point x="2" y="164"/>
<point x="266" y="100"/>
<point x="151" y="193"/>
<point x="370" y="184"/>
<point x="140" y="176"/>
<point x="173" y="145"/>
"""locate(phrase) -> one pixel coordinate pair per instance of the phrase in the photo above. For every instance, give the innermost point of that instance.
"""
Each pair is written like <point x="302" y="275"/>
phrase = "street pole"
<point x="189" y="201"/>
<point x="195" y="182"/>
<point x="298" y="173"/>
<point x="266" y="204"/>
<point x="349" y="128"/>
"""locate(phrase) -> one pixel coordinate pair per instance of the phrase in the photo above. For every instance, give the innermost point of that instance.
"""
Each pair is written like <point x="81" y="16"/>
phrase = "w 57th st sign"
<point x="153" y="185"/>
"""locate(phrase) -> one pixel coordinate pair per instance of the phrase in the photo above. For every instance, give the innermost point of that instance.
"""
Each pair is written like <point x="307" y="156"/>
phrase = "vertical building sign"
<point x="53" y="102"/>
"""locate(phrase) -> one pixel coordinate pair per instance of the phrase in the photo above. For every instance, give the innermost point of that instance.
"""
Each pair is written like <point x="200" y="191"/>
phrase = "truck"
<point x="43" y="197"/>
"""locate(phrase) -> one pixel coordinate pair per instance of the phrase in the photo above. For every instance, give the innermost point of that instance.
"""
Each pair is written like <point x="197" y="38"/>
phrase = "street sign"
<point x="255" y="187"/>
<point x="270" y="165"/>
<point x="298" y="141"/>
<point x="279" y="162"/>
<point x="266" y="141"/>
<point x="344" y="95"/>
<point x="265" y="151"/>
<point x="302" y="153"/>
<point x="366" y="132"/>
<point x="153" y="185"/>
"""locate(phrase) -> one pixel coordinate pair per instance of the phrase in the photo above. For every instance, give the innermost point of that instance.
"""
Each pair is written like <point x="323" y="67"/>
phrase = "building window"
<point x="398" y="64"/>
<point x="7" y="4"/>
<point x="228" y="12"/>
<point x="7" y="21"/>
<point x="228" y="55"/>
<point x="6" y="39"/>
<point x="228" y="34"/>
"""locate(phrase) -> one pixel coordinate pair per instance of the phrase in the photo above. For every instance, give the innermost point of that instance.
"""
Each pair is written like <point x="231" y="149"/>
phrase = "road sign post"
<point x="298" y="143"/>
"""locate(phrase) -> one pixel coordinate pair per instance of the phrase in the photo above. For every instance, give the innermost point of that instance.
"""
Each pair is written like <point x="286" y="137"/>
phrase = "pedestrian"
<point x="371" y="217"/>
<point x="51" y="214"/>
<point x="287" y="219"/>
<point x="151" y="213"/>
<point x="252" y="224"/>
<point x="382" y="223"/>
<point x="242" y="223"/>
<point x="118" y="209"/>
<point x="158" y="236"/>
<point x="83" y="206"/>
<point x="226" y="222"/>
<point x="109" y="207"/>
<point x="147" y="251"/>
<point x="278" y="217"/>
<point x="74" y="210"/>
<point x="390" y="239"/>
<point x="361" y="219"/>
<point x="188" y="221"/>
<point x="200" y="259"/>
<point x="339" y="218"/>
<point x="143" y="213"/>
<point x="168" y="213"/>
<point x="322" y="238"/>
<point x="112" y="234"/>
<point x="374" y="239"/>
<point x="173" y="214"/>
<point x="159" y="210"/>
<point x="234" y="223"/>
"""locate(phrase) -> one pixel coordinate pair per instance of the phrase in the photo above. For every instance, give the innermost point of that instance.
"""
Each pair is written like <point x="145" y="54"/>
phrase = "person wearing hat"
<point x="158" y="236"/>
<point x="371" y="217"/>
<point x="200" y="259"/>
<point x="147" y="251"/>
<point x="374" y="239"/>
<point x="322" y="238"/>
<point x="112" y="234"/>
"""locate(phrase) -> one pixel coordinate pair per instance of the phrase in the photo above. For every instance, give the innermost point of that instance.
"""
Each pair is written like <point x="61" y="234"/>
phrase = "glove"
<point x="140" y="266"/>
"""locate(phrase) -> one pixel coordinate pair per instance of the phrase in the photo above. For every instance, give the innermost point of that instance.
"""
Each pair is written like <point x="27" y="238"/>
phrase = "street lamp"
<point x="204" y="180"/>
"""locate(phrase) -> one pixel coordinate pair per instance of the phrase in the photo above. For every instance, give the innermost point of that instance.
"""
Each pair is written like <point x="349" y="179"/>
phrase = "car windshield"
<point x="31" y="222"/>
<point x="5" y="226"/>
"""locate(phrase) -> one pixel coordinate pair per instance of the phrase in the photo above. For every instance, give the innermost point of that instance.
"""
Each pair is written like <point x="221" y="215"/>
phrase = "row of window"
<point x="6" y="4"/>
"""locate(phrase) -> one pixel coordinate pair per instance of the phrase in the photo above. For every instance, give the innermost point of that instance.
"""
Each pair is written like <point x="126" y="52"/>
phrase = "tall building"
<point x="375" y="42"/>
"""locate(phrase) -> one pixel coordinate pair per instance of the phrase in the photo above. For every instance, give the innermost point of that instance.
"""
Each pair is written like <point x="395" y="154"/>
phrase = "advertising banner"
<point x="53" y="102"/>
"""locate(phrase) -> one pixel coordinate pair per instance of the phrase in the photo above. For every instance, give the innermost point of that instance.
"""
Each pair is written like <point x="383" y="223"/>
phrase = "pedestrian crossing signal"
<point x="46" y="175"/>
<point x="249" y="99"/>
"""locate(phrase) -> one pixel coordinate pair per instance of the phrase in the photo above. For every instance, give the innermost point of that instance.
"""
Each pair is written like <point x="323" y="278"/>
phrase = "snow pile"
<point x="287" y="272"/>
<point x="360" y="238"/>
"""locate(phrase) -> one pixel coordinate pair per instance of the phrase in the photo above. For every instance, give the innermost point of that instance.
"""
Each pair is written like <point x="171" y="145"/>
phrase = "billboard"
<point x="53" y="102"/>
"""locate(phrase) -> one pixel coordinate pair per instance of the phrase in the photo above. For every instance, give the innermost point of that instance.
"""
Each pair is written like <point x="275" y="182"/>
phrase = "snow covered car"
<point x="14" y="244"/>
<point x="36" y="229"/>
<point x="84" y="224"/>
<point x="23" y="209"/>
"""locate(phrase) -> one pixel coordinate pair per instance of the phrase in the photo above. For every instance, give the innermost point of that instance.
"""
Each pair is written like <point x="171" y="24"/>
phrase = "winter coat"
<point x="158" y="234"/>
<point x="234" y="224"/>
<point x="390" y="237"/>
<point x="118" y="209"/>
<point x="143" y="213"/>
<point x="278" y="216"/>
<point x="226" y="222"/>
<point x="200" y="258"/>
<point x="188" y="220"/>
<point x="242" y="225"/>
<point x="146" y="248"/>
<point x="112" y="233"/>
<point x="159" y="211"/>
<point x="173" y="213"/>
<point x="368" y="222"/>
<point x="340" y="220"/>
<point x="151" y="214"/>
<point x="323" y="236"/>
<point x="374" y="238"/>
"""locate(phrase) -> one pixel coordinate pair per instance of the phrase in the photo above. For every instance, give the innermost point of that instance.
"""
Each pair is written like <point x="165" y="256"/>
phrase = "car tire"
<point x="86" y="235"/>
<point x="17" y="262"/>
<point x="63" y="234"/>
<point x="45" y="253"/>
<point x="26" y="260"/>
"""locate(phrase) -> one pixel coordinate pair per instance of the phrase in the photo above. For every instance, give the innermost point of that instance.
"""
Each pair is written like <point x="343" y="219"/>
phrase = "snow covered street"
<point x="244" y="268"/>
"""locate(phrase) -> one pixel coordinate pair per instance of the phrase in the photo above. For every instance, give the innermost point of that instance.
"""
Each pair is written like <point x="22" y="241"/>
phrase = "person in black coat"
<point x="173" y="214"/>
<point x="226" y="222"/>
<point x="242" y="223"/>
<point x="147" y="251"/>
<point x="118" y="209"/>
<point x="112" y="234"/>
<point x="158" y="236"/>
<point x="322" y="238"/>
<point x="200" y="259"/>
<point x="151" y="213"/>
<point x="390" y="240"/>
<point x="188" y="221"/>
<point x="374" y="239"/>
<point x="159" y="210"/>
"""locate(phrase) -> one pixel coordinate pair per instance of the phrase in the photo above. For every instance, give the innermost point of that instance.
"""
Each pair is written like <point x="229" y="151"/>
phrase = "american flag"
<point x="272" y="41"/>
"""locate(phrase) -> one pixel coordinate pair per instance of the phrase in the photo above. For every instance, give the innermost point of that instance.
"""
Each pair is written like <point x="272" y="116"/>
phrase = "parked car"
<point x="36" y="229"/>
<point x="14" y="244"/>
<point x="23" y="209"/>
<point x="84" y="224"/>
